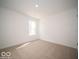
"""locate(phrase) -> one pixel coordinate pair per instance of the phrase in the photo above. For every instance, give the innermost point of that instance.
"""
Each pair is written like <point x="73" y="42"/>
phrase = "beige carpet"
<point x="40" y="49"/>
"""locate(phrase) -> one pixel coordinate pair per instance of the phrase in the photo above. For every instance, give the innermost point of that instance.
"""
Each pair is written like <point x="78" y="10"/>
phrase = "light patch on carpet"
<point x="23" y="45"/>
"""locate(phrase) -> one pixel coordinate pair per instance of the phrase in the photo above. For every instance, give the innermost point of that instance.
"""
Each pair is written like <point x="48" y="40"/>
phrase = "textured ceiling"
<point x="46" y="7"/>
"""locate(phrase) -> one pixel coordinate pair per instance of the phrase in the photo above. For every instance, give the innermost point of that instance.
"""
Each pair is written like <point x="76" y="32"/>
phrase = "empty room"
<point x="38" y="29"/>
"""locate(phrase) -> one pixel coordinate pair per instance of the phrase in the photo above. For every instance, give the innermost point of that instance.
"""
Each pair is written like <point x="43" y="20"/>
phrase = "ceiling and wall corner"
<point x="46" y="7"/>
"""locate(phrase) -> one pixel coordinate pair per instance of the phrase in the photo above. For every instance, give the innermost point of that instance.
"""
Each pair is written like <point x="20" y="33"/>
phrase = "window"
<point x="32" y="27"/>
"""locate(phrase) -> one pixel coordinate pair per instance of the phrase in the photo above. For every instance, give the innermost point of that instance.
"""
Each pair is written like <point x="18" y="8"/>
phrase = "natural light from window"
<point x="32" y="27"/>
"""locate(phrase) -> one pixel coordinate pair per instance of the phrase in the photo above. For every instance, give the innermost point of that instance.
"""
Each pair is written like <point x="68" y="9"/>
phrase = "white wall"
<point x="14" y="28"/>
<point x="60" y="28"/>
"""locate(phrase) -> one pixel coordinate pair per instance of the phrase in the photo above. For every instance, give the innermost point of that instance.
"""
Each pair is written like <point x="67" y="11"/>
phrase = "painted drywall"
<point x="60" y="28"/>
<point x="14" y="28"/>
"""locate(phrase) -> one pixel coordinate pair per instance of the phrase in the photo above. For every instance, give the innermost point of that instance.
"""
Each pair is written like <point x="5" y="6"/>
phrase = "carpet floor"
<point x="38" y="49"/>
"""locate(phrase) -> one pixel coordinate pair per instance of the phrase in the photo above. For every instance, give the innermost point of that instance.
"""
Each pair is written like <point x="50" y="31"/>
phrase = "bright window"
<point x="32" y="27"/>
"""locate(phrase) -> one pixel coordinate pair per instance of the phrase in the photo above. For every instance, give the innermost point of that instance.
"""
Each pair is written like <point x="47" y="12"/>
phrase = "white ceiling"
<point x="46" y="7"/>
